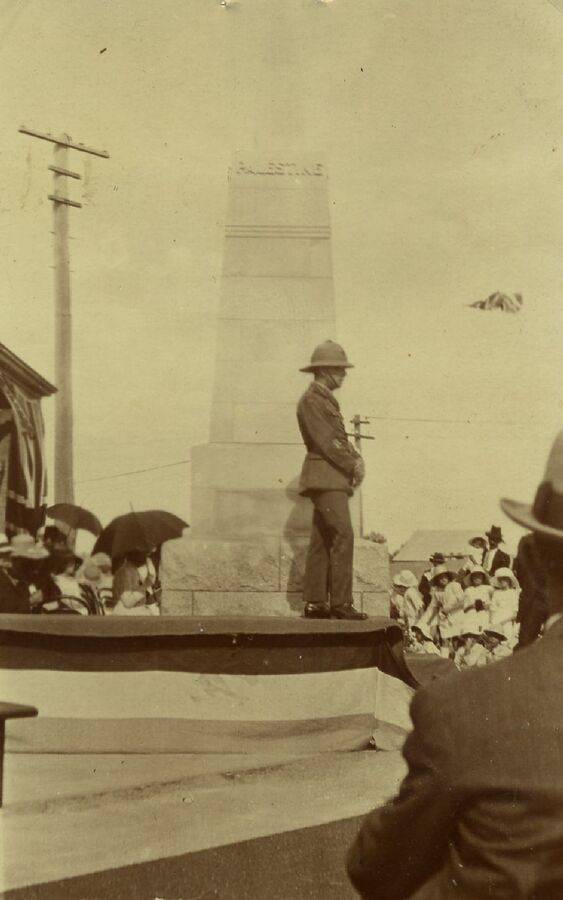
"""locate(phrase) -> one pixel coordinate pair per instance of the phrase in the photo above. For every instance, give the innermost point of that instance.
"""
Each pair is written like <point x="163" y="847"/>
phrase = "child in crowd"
<point x="406" y="603"/>
<point x="445" y="610"/>
<point x="496" y="644"/>
<point x="64" y="566"/>
<point x="477" y="596"/>
<point x="473" y="651"/>
<point x="90" y="578"/>
<point x="105" y="584"/>
<point x="504" y="605"/>
<point x="422" y="642"/>
<point x="424" y="585"/>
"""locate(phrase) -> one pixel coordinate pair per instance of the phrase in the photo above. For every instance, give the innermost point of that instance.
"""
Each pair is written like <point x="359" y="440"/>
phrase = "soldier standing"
<point x="331" y="471"/>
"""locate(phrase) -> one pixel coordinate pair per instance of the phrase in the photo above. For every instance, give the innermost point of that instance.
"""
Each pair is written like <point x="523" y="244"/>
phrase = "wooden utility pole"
<point x="357" y="422"/>
<point x="64" y="475"/>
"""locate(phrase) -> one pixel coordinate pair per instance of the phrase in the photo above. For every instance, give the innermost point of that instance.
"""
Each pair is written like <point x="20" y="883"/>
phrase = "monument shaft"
<point x="277" y="302"/>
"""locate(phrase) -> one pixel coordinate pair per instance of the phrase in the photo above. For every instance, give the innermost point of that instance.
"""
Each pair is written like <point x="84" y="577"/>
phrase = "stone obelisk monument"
<point x="245" y="549"/>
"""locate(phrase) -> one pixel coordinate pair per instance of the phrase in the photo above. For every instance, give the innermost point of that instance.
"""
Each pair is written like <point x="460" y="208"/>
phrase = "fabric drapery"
<point x="27" y="473"/>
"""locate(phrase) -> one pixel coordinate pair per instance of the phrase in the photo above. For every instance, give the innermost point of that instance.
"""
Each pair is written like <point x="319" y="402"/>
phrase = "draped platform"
<point x="183" y="685"/>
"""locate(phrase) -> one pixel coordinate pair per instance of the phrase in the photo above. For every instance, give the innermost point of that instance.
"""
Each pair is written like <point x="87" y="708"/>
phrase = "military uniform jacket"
<point x="331" y="458"/>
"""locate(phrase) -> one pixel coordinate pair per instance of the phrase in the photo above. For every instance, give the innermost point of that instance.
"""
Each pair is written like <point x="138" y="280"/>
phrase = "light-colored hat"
<point x="479" y="570"/>
<point x="423" y="630"/>
<point x="21" y="543"/>
<point x="405" y="578"/>
<point x="5" y="546"/>
<point x="328" y="355"/>
<point x="441" y="570"/>
<point x="34" y="553"/>
<point x="101" y="559"/>
<point x="545" y="515"/>
<point x="505" y="573"/>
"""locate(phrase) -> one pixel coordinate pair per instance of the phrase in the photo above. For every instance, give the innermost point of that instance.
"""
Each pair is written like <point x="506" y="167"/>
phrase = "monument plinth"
<point x="245" y="550"/>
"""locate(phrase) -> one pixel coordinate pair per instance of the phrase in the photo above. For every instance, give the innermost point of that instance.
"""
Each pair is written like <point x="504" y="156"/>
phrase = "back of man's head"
<point x="551" y="555"/>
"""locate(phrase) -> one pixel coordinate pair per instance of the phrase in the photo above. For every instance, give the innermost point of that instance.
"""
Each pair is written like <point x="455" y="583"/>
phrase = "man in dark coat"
<point x="331" y="471"/>
<point x="494" y="558"/>
<point x="532" y="603"/>
<point x="480" y="812"/>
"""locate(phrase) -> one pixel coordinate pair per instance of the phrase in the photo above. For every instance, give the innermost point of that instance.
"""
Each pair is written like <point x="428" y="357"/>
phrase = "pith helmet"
<point x="328" y="355"/>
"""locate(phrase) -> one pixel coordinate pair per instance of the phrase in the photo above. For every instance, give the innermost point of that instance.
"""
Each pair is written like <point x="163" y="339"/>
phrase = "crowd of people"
<point x="46" y="575"/>
<point x="468" y="614"/>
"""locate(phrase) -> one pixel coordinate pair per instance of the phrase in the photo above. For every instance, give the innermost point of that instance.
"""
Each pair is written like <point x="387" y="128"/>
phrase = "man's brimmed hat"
<point x="545" y="515"/>
<point x="495" y="534"/>
<point x="328" y="355"/>
<point x="437" y="558"/>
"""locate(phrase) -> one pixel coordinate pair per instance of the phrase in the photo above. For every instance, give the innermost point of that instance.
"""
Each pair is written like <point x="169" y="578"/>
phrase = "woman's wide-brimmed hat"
<point x="505" y="573"/>
<point x="405" y="579"/>
<point x="439" y="571"/>
<point x="478" y="541"/>
<point x="328" y="355"/>
<point x="545" y="514"/>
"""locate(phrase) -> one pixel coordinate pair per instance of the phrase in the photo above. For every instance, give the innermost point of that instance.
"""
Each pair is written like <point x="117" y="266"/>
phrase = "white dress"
<point x="503" y="612"/>
<point x="482" y="592"/>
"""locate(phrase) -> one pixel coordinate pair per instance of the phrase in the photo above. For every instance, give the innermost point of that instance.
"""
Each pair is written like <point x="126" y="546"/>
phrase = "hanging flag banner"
<point x="27" y="473"/>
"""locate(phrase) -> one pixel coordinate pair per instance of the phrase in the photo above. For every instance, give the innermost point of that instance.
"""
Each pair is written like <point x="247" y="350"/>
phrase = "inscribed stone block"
<point x="221" y="565"/>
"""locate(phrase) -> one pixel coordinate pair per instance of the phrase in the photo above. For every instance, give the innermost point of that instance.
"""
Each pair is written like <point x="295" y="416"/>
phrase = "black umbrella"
<point x="76" y="517"/>
<point x="139" y="531"/>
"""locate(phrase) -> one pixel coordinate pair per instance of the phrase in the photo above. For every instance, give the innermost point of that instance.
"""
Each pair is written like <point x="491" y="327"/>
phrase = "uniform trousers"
<point x="329" y="565"/>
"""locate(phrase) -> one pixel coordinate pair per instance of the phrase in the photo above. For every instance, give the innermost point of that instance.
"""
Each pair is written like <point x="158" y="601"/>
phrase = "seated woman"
<point x="135" y="586"/>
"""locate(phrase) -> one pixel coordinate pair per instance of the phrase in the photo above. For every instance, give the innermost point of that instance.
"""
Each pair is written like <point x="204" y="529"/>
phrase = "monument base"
<point x="260" y="576"/>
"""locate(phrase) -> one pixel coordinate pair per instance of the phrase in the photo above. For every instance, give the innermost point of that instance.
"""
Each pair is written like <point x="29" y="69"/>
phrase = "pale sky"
<point x="440" y="121"/>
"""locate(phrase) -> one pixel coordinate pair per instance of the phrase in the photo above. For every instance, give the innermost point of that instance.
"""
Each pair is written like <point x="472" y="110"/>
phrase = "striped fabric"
<point x="27" y="473"/>
<point x="207" y="686"/>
